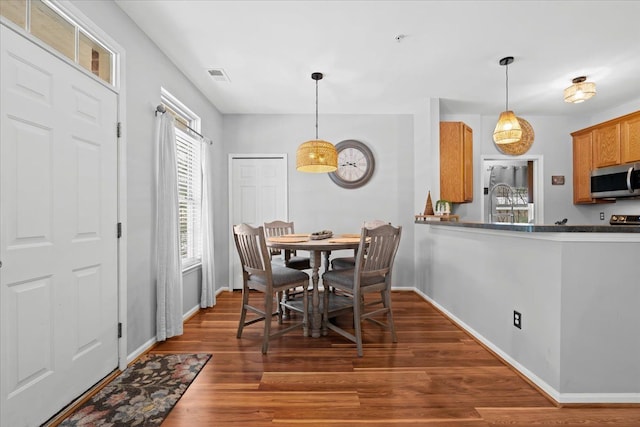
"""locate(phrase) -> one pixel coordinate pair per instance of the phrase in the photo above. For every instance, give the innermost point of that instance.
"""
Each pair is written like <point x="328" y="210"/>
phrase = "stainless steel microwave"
<point x="616" y="181"/>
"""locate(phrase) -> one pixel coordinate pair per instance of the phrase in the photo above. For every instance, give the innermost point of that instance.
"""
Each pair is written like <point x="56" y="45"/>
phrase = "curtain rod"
<point x="160" y="109"/>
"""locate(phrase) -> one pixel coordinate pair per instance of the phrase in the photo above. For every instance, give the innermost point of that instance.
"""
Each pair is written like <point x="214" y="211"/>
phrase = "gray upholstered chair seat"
<point x="281" y="276"/>
<point x="345" y="279"/>
<point x="299" y="263"/>
<point x="343" y="263"/>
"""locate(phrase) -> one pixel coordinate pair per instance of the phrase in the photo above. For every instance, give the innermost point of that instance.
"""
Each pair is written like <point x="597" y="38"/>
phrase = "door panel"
<point x="258" y="192"/>
<point x="58" y="192"/>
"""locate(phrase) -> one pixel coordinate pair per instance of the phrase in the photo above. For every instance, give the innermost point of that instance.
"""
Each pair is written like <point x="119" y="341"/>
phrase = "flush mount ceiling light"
<point x="508" y="128"/>
<point x="580" y="90"/>
<point x="316" y="155"/>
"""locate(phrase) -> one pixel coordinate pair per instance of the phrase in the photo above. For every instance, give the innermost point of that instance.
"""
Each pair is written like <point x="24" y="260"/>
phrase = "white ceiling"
<point x="450" y="50"/>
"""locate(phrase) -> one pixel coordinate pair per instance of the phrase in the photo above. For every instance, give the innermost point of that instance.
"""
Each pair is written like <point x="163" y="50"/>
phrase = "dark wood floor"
<point x="436" y="375"/>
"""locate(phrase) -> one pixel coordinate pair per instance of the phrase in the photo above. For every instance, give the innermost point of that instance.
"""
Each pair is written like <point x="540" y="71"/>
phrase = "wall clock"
<point x="355" y="164"/>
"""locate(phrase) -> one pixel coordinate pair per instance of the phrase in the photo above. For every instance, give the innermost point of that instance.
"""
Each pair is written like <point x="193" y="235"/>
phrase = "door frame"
<point x="231" y="158"/>
<point x="538" y="183"/>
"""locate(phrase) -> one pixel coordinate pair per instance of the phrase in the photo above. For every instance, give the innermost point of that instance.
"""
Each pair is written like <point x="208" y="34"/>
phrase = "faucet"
<point x="506" y="191"/>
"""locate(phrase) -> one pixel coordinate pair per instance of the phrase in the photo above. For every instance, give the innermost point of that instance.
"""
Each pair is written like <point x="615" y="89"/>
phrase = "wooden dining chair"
<point x="345" y="263"/>
<point x="279" y="228"/>
<point x="260" y="275"/>
<point x="372" y="274"/>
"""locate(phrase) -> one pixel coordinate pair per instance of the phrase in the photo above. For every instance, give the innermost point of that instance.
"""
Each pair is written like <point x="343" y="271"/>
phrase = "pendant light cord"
<point x="506" y="73"/>
<point x="316" y="109"/>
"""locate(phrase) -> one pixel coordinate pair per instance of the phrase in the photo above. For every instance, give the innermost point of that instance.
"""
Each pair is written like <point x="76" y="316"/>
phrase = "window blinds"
<point x="189" y="197"/>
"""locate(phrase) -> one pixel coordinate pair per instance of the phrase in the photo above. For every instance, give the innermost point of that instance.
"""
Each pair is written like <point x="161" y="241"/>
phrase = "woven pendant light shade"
<point x="579" y="91"/>
<point x="522" y="146"/>
<point x="316" y="156"/>
<point x="507" y="129"/>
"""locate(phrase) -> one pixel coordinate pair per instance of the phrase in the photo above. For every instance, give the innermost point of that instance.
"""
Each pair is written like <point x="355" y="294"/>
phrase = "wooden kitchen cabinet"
<point x="456" y="162"/>
<point x="611" y="143"/>
<point x="582" y="165"/>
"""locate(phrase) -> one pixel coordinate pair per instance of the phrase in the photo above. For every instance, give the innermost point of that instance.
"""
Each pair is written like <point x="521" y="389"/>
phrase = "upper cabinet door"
<point x="630" y="140"/>
<point x="606" y="146"/>
<point x="456" y="162"/>
<point x="582" y="165"/>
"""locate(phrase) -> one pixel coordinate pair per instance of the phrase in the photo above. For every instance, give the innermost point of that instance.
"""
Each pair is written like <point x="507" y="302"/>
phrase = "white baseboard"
<point x="190" y="313"/>
<point x="404" y="288"/>
<point x="599" y="398"/>
<point x="140" y="350"/>
<point x="561" y="398"/>
<point x="147" y="345"/>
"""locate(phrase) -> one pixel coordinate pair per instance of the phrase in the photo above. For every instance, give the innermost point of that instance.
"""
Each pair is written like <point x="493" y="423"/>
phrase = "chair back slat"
<point x="277" y="228"/>
<point x="377" y="258"/>
<point x="252" y="248"/>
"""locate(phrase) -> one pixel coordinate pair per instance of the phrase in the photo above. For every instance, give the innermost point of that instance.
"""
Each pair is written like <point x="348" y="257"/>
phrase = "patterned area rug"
<point x="143" y="394"/>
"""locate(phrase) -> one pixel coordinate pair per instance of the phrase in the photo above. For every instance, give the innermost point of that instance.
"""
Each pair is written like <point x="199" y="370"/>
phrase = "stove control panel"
<point x="625" y="220"/>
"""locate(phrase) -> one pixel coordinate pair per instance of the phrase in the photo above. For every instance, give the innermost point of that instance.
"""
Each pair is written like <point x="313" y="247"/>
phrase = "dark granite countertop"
<point x="533" y="228"/>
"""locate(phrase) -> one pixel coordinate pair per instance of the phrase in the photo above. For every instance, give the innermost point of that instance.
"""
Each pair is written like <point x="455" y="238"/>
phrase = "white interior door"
<point x="258" y="194"/>
<point x="58" y="246"/>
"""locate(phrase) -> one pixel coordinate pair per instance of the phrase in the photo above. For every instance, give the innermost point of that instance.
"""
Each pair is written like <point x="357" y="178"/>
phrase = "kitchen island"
<point x="576" y="289"/>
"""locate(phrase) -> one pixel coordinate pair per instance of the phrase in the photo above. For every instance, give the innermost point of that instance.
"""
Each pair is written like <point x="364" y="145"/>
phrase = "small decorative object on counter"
<point x="428" y="209"/>
<point x="443" y="207"/>
<point x="442" y="212"/>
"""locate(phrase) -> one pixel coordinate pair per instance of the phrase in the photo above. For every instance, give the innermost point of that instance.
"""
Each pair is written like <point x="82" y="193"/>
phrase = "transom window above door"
<point x="47" y="22"/>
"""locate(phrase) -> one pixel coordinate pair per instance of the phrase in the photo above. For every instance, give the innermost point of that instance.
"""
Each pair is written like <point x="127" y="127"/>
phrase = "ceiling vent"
<point x="218" y="75"/>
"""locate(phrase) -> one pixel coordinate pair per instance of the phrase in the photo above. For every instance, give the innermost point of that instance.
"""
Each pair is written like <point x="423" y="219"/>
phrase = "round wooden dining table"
<point x="302" y="242"/>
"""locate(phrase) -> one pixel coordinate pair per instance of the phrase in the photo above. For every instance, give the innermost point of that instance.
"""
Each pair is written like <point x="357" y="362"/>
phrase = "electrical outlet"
<point x="517" y="319"/>
<point x="601" y="216"/>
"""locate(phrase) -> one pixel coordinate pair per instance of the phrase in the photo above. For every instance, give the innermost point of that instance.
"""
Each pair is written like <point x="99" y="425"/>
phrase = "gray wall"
<point x="600" y="339"/>
<point x="315" y="202"/>
<point x="147" y="69"/>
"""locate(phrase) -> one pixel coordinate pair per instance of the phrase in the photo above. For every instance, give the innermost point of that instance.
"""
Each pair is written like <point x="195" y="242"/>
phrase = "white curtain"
<point x="208" y="296"/>
<point x="167" y="257"/>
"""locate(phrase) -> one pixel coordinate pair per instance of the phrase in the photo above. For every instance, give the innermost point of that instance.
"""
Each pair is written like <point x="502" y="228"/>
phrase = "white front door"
<point x="258" y="194"/>
<point x="58" y="246"/>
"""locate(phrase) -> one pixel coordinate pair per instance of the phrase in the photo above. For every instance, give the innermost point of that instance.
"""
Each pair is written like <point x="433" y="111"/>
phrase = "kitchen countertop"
<point x="535" y="228"/>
